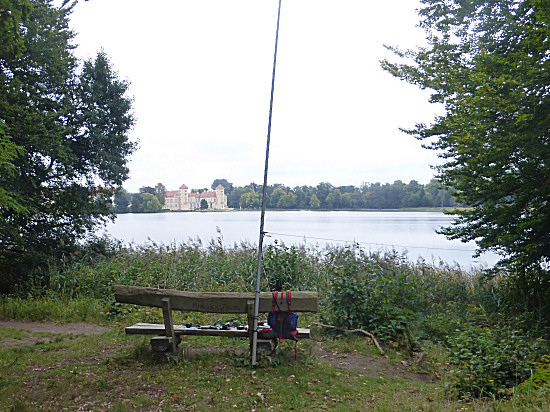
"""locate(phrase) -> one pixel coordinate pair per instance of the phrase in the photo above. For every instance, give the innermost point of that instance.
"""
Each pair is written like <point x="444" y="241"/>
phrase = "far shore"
<point x="408" y="209"/>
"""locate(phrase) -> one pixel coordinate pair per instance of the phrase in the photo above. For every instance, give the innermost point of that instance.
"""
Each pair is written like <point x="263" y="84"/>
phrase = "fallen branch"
<point x="364" y="332"/>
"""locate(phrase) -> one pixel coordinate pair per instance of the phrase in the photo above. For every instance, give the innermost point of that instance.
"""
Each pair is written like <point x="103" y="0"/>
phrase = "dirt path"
<point x="370" y="365"/>
<point x="75" y="328"/>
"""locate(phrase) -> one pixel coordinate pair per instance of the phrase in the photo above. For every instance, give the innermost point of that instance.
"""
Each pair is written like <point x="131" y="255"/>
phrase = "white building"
<point x="183" y="200"/>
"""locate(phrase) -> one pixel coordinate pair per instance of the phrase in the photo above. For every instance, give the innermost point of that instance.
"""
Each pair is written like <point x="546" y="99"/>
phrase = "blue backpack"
<point x="282" y="325"/>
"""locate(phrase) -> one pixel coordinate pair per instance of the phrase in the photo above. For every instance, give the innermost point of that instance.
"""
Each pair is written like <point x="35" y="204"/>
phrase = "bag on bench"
<point x="283" y="325"/>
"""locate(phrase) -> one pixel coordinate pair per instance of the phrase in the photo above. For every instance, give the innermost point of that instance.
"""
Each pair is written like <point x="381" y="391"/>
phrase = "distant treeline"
<point x="324" y="196"/>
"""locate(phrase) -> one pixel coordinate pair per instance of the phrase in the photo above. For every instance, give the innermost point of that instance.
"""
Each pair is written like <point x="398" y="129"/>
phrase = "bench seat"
<point x="182" y="330"/>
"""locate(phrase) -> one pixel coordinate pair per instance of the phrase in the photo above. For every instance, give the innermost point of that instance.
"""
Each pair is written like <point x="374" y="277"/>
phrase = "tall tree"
<point x="334" y="199"/>
<point x="314" y="202"/>
<point x="322" y="190"/>
<point x="121" y="201"/>
<point x="487" y="63"/>
<point x="145" y="203"/>
<point x="234" y="198"/>
<point x="70" y="132"/>
<point x="278" y="193"/>
<point x="250" y="200"/>
<point x="160" y="193"/>
<point x="226" y="185"/>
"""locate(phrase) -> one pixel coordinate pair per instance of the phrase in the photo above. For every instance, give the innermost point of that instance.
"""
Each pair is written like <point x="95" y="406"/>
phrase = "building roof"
<point x="171" y="193"/>
<point x="183" y="186"/>
<point x="220" y="187"/>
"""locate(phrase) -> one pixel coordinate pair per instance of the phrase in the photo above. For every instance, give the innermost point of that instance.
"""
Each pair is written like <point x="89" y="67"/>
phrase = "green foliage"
<point x="487" y="62"/>
<point x="40" y="309"/>
<point x="160" y="193"/>
<point x="326" y="196"/>
<point x="68" y="139"/>
<point x="541" y="375"/>
<point x="487" y="363"/>
<point x="365" y="294"/>
<point x="226" y="185"/>
<point x="145" y="203"/>
<point x="288" y="267"/>
<point x="12" y="14"/>
<point x="121" y="201"/>
<point x="249" y="200"/>
<point x="314" y="202"/>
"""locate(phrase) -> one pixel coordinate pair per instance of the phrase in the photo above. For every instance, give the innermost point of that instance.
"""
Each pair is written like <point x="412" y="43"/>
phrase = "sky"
<point x="200" y="74"/>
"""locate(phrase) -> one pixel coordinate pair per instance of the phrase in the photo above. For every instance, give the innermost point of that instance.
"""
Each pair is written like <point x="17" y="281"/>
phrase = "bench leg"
<point x="169" y="324"/>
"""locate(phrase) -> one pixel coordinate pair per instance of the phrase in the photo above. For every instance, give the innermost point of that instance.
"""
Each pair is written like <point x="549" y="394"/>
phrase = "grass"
<point x="114" y="372"/>
<point x="46" y="308"/>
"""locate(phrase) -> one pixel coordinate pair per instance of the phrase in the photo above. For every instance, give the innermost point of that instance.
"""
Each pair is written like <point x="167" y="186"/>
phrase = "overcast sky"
<point x="200" y="73"/>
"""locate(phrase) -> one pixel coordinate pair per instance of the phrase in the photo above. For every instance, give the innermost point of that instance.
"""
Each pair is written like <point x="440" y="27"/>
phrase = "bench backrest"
<point x="212" y="302"/>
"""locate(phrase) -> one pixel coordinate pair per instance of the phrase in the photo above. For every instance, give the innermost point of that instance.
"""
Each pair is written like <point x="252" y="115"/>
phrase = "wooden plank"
<point x="211" y="302"/>
<point x="169" y="323"/>
<point x="179" y="330"/>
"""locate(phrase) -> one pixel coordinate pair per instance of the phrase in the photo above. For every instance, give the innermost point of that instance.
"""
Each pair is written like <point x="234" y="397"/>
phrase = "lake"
<point x="413" y="232"/>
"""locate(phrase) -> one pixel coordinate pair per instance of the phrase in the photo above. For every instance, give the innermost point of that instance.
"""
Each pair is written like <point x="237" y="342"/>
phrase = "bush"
<point x="365" y="294"/>
<point x="487" y="362"/>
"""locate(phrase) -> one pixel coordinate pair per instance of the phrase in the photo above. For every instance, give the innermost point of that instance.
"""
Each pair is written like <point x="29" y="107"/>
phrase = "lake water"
<point x="413" y="232"/>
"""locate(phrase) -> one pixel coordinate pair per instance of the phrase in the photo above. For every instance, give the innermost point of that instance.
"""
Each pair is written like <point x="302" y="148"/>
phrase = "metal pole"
<point x="264" y="191"/>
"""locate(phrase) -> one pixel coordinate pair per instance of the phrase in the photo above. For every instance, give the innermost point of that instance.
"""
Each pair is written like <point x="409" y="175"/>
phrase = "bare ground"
<point x="74" y="328"/>
<point x="370" y="365"/>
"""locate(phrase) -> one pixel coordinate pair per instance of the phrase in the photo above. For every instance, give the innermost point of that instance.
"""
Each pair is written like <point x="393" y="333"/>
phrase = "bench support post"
<point x="169" y="323"/>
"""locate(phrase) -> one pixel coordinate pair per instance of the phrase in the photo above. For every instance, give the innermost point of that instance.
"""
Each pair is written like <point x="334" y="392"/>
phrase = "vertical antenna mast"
<point x="264" y="188"/>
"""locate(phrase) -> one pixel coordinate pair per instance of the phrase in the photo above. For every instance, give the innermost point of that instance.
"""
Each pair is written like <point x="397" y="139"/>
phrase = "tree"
<point x="487" y="64"/>
<point x="204" y="204"/>
<point x="300" y="197"/>
<point x="68" y="140"/>
<point x="278" y="193"/>
<point x="314" y="202"/>
<point x="160" y="193"/>
<point x="226" y="185"/>
<point x="413" y="194"/>
<point x="121" y="201"/>
<point x="322" y="190"/>
<point x="147" y="189"/>
<point x="395" y="194"/>
<point x="374" y="198"/>
<point x="250" y="200"/>
<point x="334" y="199"/>
<point x="347" y="201"/>
<point x="145" y="203"/>
<point x="234" y="197"/>
<point x="288" y="201"/>
<point x="11" y="46"/>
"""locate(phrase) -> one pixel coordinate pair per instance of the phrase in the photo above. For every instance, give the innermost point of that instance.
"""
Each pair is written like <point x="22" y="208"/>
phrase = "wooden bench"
<point x="208" y="302"/>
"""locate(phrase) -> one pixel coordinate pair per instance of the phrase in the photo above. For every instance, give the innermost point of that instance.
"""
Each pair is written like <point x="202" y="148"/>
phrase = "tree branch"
<point x="364" y="332"/>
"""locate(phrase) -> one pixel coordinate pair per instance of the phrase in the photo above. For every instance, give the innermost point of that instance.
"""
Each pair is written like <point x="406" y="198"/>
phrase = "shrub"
<point x="363" y="294"/>
<point x="486" y="362"/>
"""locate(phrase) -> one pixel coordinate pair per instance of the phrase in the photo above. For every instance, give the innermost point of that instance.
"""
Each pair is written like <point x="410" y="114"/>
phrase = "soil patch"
<point x="75" y="328"/>
<point x="370" y="365"/>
